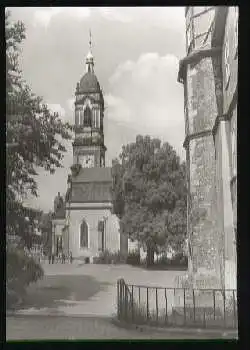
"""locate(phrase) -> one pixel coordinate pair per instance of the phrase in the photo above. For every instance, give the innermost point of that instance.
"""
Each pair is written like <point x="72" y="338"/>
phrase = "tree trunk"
<point x="150" y="256"/>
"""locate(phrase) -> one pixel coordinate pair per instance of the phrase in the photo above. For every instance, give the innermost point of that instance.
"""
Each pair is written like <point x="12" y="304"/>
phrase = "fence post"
<point x="235" y="323"/>
<point x="126" y="301"/>
<point x="132" y="302"/>
<point x="224" y="306"/>
<point x="166" y="301"/>
<point x="214" y="304"/>
<point x="184" y="301"/>
<point x="123" y="306"/>
<point x="156" y="301"/>
<point x="118" y="299"/>
<point x="139" y="297"/>
<point x="147" y="306"/>
<point x="194" y="304"/>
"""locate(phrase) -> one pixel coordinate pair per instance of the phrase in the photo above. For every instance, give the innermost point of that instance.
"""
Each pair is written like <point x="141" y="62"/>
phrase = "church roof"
<point x="89" y="83"/>
<point x="91" y="192"/>
<point x="92" y="185"/>
<point x="93" y="175"/>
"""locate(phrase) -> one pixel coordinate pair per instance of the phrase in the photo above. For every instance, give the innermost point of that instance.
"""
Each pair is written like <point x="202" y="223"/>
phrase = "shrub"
<point x="133" y="258"/>
<point x="21" y="271"/>
<point x="108" y="257"/>
<point x="178" y="260"/>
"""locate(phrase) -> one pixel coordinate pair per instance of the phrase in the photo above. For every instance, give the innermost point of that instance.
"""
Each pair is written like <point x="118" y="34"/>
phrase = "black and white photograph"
<point x="121" y="173"/>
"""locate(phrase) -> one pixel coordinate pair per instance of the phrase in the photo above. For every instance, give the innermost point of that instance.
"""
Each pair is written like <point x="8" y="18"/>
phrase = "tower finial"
<point x="90" y="41"/>
<point x="90" y="58"/>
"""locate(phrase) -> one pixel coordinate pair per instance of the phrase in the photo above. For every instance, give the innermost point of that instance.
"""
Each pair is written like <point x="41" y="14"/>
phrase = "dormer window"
<point x="87" y="116"/>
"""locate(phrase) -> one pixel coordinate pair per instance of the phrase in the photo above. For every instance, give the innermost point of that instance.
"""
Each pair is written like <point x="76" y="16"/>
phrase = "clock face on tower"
<point x="87" y="160"/>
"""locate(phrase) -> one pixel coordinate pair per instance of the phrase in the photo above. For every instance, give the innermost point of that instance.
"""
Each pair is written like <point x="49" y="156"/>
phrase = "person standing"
<point x="70" y="257"/>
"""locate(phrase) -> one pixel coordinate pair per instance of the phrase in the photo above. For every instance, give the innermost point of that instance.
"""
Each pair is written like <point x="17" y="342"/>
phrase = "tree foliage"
<point x="33" y="134"/>
<point x="149" y="193"/>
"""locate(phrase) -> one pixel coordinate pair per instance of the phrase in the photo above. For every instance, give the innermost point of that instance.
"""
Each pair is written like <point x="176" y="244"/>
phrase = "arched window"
<point x="87" y="116"/>
<point x="81" y="117"/>
<point x="101" y="237"/>
<point x="84" y="235"/>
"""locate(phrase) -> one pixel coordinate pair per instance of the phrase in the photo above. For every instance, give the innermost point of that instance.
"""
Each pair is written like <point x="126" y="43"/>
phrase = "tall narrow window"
<point x="87" y="116"/>
<point x="77" y="117"/>
<point x="98" y="119"/>
<point x="226" y="63"/>
<point x="84" y="235"/>
<point x="236" y="9"/>
<point x="101" y="236"/>
<point x="234" y="145"/>
<point x="81" y="116"/>
<point x="94" y="118"/>
<point x="189" y="36"/>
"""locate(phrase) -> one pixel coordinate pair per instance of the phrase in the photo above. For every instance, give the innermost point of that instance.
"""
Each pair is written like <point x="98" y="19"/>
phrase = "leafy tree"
<point x="34" y="138"/>
<point x="33" y="134"/>
<point x="150" y="195"/>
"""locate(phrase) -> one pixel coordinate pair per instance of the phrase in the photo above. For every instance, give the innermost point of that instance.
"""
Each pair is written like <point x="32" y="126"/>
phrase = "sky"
<point x="136" y="51"/>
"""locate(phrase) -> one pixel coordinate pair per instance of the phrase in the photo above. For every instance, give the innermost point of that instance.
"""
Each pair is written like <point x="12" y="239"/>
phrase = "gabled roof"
<point x="91" y="192"/>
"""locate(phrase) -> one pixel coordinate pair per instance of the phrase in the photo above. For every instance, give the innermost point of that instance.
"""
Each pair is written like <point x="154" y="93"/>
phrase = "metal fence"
<point x="159" y="306"/>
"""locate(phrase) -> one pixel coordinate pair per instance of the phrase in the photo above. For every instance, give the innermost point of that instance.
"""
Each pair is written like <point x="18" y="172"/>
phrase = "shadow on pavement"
<point x="52" y="291"/>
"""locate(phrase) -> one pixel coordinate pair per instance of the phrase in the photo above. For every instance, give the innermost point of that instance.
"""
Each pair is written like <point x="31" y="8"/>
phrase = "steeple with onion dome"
<point x="88" y="147"/>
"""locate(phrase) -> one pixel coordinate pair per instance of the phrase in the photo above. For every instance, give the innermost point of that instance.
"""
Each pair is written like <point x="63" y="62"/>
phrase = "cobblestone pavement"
<point x="62" y="328"/>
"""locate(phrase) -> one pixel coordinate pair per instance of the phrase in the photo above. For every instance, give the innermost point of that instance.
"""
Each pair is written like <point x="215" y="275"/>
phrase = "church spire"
<point x="90" y="58"/>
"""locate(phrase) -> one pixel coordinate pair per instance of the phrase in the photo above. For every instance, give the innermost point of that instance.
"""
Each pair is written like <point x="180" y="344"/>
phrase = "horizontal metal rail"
<point x="170" y="306"/>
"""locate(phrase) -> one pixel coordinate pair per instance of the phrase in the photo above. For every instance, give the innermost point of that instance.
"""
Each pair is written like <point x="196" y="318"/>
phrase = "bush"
<point x="133" y="258"/>
<point x="177" y="261"/>
<point x="21" y="271"/>
<point x="108" y="257"/>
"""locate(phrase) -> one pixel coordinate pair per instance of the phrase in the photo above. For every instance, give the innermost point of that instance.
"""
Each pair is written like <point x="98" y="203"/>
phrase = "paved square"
<point x="86" y="290"/>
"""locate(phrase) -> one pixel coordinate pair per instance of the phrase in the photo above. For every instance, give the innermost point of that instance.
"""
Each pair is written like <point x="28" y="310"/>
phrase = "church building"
<point x="83" y="223"/>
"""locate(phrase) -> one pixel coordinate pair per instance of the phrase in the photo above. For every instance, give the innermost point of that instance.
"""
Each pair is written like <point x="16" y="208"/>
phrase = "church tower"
<point x="88" y="146"/>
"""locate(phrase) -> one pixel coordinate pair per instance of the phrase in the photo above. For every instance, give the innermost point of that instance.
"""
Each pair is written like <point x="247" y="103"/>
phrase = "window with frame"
<point x="226" y="63"/>
<point x="77" y="117"/>
<point x="101" y="235"/>
<point x="189" y="35"/>
<point x="84" y="235"/>
<point x="234" y="145"/>
<point x="87" y="116"/>
<point x="81" y="117"/>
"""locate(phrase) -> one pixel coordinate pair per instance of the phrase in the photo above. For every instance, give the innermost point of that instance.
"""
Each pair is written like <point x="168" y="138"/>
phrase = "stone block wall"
<point x="229" y="160"/>
<point x="211" y="144"/>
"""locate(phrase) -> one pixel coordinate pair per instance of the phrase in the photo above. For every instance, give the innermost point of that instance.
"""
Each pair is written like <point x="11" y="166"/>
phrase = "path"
<point x="63" y="328"/>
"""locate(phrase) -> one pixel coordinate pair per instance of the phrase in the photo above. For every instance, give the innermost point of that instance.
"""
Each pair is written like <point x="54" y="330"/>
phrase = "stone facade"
<point x="209" y="75"/>
<point x="92" y="216"/>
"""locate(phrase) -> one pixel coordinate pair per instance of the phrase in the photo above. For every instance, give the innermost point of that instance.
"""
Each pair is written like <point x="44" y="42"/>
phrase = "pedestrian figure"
<point x="53" y="257"/>
<point x="63" y="258"/>
<point x="50" y="258"/>
<point x="70" y="257"/>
